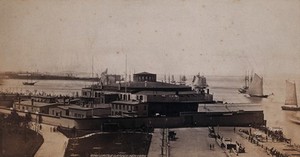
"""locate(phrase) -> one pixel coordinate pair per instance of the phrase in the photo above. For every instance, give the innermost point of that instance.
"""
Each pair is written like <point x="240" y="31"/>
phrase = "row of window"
<point x="78" y="115"/>
<point x="124" y="107"/>
<point x="31" y="109"/>
<point x="124" y="97"/>
<point x="146" y="78"/>
<point x="57" y="113"/>
<point x="127" y="97"/>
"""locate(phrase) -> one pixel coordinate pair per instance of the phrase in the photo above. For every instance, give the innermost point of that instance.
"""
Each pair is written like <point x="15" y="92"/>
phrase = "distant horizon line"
<point x="75" y="73"/>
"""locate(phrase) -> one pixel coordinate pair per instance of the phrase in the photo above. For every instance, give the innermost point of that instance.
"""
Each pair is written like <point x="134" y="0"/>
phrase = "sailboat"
<point x="246" y="86"/>
<point x="199" y="82"/>
<point x="29" y="83"/>
<point x="290" y="97"/>
<point x="182" y="80"/>
<point x="173" y="80"/>
<point x="256" y="87"/>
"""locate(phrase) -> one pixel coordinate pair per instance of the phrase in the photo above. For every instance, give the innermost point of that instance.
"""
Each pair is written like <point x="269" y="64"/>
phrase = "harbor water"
<point x="223" y="88"/>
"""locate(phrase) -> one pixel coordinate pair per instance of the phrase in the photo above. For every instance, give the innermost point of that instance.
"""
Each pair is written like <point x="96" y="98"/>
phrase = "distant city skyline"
<point x="164" y="37"/>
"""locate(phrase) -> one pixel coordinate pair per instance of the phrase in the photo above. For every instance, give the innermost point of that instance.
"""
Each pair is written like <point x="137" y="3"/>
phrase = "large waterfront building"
<point x="144" y="96"/>
<point x="156" y="104"/>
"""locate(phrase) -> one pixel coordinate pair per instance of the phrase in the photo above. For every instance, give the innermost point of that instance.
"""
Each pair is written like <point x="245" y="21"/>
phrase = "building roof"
<point x="102" y="106"/>
<point x="77" y="107"/>
<point x="151" y="85"/>
<point x="44" y="96"/>
<point x="64" y="107"/>
<point x="228" y="107"/>
<point x="126" y="102"/>
<point x="144" y="73"/>
<point x="37" y="104"/>
<point x="165" y="93"/>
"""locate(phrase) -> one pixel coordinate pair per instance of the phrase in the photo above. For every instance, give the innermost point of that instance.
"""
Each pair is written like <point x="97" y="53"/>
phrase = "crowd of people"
<point x="276" y="153"/>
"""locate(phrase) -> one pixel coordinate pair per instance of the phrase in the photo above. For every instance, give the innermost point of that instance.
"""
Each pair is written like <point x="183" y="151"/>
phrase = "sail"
<point x="183" y="78"/>
<point x="199" y="81"/>
<point x="256" y="86"/>
<point x="291" y="95"/>
<point x="173" y="80"/>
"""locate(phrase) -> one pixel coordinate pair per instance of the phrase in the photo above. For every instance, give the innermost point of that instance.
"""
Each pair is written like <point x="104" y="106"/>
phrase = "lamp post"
<point x="36" y="122"/>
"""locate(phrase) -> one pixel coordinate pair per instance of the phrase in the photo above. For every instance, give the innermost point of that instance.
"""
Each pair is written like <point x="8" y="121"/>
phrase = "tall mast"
<point x="92" y="67"/>
<point x="126" y="73"/>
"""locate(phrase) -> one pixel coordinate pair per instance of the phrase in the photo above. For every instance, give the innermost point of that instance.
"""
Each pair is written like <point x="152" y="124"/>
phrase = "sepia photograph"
<point x="140" y="78"/>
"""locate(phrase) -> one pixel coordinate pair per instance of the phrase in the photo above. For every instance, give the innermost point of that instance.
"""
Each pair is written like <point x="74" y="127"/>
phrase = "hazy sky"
<point x="213" y="37"/>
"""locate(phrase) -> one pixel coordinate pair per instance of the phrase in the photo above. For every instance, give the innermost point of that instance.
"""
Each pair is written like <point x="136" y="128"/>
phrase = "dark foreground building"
<point x="145" y="97"/>
<point x="234" y="115"/>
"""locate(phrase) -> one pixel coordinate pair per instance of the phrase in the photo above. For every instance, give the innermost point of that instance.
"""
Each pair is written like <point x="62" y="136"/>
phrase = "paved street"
<point x="54" y="143"/>
<point x="191" y="142"/>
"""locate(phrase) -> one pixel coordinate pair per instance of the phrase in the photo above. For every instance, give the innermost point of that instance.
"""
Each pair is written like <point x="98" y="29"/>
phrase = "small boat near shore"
<point x="291" y="103"/>
<point x="29" y="83"/>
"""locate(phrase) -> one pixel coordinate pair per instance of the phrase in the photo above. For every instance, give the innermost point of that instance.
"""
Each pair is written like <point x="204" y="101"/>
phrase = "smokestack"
<point x="119" y="86"/>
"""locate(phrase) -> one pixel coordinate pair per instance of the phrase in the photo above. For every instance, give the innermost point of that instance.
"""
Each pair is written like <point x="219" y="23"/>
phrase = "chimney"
<point x="207" y="91"/>
<point x="119" y="86"/>
<point x="32" y="102"/>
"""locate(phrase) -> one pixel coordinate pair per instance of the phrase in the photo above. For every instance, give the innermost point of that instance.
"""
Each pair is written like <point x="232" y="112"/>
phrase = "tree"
<point x="14" y="118"/>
